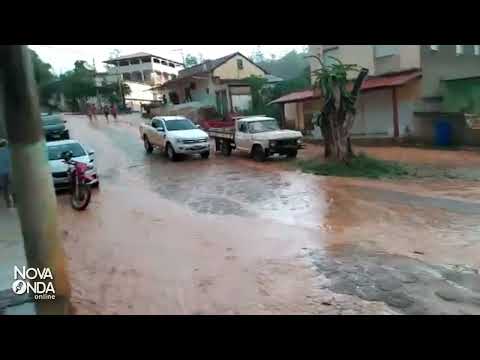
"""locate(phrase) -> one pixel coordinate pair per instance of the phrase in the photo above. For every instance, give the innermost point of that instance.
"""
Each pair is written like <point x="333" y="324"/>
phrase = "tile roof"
<point x="374" y="82"/>
<point x="391" y="80"/>
<point x="295" y="97"/>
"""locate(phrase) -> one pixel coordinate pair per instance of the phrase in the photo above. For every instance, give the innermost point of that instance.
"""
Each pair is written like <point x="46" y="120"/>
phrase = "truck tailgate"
<point x="225" y="133"/>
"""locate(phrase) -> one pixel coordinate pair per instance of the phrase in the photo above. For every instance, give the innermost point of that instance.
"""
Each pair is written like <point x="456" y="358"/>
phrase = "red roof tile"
<point x="295" y="96"/>
<point x="374" y="82"/>
<point x="390" y="80"/>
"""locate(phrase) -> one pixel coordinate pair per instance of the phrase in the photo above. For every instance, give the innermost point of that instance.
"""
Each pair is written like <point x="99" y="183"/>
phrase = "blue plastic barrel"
<point x="443" y="133"/>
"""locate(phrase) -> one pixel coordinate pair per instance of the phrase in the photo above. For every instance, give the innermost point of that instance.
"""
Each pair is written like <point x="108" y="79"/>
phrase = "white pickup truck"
<point x="175" y="135"/>
<point x="260" y="136"/>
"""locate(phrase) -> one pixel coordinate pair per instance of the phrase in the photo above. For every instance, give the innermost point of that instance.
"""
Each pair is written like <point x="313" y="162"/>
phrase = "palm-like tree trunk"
<point x="337" y="121"/>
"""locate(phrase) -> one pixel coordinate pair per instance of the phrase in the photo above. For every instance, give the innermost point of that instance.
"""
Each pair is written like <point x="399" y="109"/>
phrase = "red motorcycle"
<point x="79" y="182"/>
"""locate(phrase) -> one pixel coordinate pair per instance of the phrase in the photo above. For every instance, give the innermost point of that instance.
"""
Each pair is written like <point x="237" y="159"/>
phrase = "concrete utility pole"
<point x="32" y="182"/>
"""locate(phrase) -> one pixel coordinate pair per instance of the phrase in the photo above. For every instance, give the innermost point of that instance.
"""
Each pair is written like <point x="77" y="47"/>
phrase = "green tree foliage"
<point x="46" y="80"/>
<point x="293" y="68"/>
<point x="113" y="93"/>
<point x="191" y="60"/>
<point x="78" y="84"/>
<point x="263" y="93"/>
<point x="290" y="66"/>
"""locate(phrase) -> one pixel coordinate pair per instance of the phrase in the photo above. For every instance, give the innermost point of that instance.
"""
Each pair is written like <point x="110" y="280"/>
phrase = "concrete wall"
<point x="290" y="115"/>
<point x="138" y="95"/>
<point x="402" y="57"/>
<point x="397" y="58"/>
<point x="409" y="57"/>
<point x="424" y="125"/>
<point x="462" y="96"/>
<point x="229" y="70"/>
<point x="361" y="55"/>
<point x="445" y="64"/>
<point x="407" y="96"/>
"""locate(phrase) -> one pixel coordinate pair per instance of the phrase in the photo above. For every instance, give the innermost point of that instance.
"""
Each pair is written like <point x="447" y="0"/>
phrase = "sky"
<point x="62" y="57"/>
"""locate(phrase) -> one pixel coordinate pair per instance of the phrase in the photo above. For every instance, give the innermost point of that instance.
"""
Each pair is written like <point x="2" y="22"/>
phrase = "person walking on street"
<point x="5" y="170"/>
<point x="106" y="111"/>
<point x="114" y="111"/>
<point x="89" y="112"/>
<point x="94" y="112"/>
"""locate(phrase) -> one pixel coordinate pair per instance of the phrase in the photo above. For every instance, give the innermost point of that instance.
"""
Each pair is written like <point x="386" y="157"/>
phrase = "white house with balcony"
<point x="141" y="71"/>
<point x="144" y="68"/>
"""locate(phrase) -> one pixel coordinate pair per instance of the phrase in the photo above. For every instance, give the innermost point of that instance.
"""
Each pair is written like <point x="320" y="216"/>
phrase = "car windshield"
<point x="55" y="151"/>
<point x="180" y="124"/>
<point x="262" y="126"/>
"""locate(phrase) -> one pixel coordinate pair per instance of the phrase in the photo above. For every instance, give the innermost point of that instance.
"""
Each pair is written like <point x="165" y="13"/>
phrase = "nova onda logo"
<point x="35" y="281"/>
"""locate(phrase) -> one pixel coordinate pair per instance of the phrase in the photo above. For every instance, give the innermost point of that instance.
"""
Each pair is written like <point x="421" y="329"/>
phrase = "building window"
<point x="156" y="61"/>
<point x="459" y="49"/>
<point x="147" y="75"/>
<point x="171" y="65"/>
<point x="386" y="50"/>
<point x="434" y="47"/>
<point x="135" y="61"/>
<point x="126" y="76"/>
<point x="124" y="63"/>
<point x="239" y="64"/>
<point x="476" y="50"/>
<point x="164" y="62"/>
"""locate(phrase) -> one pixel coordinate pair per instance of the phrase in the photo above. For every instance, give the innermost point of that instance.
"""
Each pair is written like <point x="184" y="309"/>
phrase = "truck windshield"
<point x="180" y="124"/>
<point x="262" y="126"/>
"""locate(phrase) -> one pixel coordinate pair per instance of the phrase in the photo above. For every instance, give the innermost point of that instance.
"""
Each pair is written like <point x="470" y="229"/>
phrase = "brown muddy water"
<point x="231" y="236"/>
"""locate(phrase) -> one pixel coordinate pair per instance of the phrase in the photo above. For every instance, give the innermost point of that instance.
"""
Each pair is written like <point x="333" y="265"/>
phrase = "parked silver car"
<point x="58" y="166"/>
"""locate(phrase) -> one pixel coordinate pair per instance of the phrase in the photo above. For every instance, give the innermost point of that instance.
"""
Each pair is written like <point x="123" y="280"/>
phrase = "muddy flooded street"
<point x="232" y="236"/>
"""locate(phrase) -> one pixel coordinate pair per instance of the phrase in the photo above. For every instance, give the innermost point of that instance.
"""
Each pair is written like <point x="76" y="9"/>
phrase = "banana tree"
<point x="339" y="105"/>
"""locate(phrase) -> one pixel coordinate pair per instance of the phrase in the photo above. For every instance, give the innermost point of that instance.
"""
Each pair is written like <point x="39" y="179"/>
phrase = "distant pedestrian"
<point x="114" y="111"/>
<point x="106" y="111"/>
<point x="94" y="112"/>
<point x="89" y="112"/>
<point x="5" y="171"/>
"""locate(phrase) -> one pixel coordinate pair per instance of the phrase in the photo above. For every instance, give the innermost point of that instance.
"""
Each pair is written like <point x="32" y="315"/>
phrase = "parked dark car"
<point x="54" y="127"/>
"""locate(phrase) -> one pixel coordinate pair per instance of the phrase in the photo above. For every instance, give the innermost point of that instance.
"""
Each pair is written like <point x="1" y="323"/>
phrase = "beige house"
<point x="405" y="94"/>
<point x="220" y="83"/>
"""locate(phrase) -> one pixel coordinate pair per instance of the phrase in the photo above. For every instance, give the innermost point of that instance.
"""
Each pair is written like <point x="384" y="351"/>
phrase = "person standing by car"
<point x="5" y="169"/>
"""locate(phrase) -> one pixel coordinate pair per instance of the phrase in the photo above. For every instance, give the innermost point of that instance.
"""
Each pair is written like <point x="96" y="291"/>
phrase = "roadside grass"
<point x="361" y="166"/>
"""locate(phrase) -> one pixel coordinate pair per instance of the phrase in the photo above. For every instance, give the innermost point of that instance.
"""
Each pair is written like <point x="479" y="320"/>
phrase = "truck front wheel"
<point x="225" y="148"/>
<point x="292" y="154"/>
<point x="258" y="153"/>
<point x="172" y="155"/>
<point x="147" y="145"/>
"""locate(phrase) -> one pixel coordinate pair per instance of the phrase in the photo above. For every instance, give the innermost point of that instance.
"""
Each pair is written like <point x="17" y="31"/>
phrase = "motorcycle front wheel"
<point x="81" y="199"/>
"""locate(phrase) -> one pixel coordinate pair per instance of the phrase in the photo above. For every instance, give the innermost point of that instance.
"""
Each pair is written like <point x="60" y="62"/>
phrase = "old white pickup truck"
<point x="260" y="136"/>
<point x="175" y="135"/>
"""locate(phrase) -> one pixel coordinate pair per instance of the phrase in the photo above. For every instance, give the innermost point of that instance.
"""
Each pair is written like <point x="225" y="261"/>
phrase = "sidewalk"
<point x="11" y="253"/>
